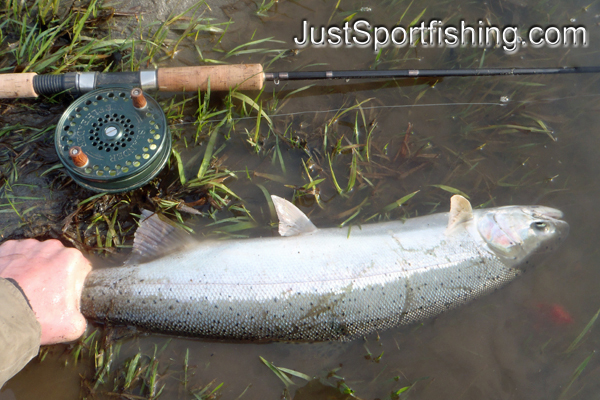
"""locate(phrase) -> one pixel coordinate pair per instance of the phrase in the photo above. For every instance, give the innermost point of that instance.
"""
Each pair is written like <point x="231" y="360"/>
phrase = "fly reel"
<point x="113" y="139"/>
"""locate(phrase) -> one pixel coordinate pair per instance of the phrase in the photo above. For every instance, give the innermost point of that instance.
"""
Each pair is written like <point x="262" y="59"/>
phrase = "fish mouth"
<point x="562" y="228"/>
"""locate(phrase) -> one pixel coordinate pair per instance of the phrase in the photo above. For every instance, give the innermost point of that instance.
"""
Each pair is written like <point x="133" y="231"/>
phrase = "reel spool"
<point x="113" y="139"/>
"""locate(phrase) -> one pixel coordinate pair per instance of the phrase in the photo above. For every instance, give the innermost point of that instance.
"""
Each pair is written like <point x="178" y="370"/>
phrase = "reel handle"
<point x="13" y="86"/>
<point x="222" y="78"/>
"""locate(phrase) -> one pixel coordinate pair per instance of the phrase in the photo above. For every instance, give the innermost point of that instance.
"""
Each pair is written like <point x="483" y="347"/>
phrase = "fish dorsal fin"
<point x="155" y="238"/>
<point x="460" y="211"/>
<point x="292" y="221"/>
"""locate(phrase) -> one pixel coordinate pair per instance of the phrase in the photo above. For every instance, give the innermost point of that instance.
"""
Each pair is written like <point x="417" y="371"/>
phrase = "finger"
<point x="30" y="248"/>
<point x="76" y="269"/>
<point x="70" y="326"/>
<point x="13" y="252"/>
<point x="47" y="249"/>
<point x="11" y="247"/>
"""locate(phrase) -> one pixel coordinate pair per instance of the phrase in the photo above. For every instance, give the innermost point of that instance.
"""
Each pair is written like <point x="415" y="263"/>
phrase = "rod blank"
<point x="422" y="73"/>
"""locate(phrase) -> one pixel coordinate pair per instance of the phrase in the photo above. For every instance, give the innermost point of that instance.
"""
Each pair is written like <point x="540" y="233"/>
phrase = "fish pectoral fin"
<point x="155" y="238"/>
<point x="460" y="211"/>
<point x="292" y="221"/>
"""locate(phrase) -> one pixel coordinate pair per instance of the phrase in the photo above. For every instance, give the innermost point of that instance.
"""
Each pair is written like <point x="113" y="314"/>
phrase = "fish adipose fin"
<point x="292" y="221"/>
<point x="155" y="238"/>
<point x="460" y="211"/>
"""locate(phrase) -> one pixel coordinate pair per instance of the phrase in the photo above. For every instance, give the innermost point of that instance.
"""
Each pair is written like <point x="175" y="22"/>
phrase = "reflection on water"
<point x="539" y="147"/>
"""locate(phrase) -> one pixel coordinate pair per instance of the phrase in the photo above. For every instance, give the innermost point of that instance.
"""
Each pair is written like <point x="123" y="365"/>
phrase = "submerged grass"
<point x="576" y="375"/>
<point x="282" y="373"/>
<point x="575" y="344"/>
<point x="138" y="377"/>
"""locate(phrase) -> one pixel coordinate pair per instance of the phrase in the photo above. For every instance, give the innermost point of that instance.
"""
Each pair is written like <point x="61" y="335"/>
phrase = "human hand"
<point x="52" y="277"/>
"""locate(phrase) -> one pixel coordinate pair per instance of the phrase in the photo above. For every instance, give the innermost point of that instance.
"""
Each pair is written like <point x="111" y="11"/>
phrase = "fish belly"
<point x="322" y="286"/>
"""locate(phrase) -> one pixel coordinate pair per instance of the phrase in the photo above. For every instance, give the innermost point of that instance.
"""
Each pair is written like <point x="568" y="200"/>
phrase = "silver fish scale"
<point x="322" y="286"/>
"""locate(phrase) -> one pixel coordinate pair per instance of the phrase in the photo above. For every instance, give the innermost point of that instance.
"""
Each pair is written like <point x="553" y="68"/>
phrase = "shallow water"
<point x="506" y="345"/>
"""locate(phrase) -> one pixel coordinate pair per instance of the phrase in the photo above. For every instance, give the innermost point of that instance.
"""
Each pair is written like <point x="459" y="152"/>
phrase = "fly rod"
<point x="226" y="77"/>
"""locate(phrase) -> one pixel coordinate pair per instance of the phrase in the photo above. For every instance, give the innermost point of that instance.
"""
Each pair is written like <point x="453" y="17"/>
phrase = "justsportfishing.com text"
<point x="363" y="34"/>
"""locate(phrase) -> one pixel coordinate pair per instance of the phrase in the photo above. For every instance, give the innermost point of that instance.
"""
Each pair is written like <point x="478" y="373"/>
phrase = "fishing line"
<point x="336" y="110"/>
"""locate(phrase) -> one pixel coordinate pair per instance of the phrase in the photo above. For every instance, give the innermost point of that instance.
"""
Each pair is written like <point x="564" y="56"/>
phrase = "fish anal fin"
<point x="292" y="221"/>
<point x="155" y="238"/>
<point x="460" y="211"/>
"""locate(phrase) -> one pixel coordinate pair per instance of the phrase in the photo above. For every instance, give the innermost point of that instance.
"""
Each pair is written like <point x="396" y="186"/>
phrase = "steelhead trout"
<point x="320" y="284"/>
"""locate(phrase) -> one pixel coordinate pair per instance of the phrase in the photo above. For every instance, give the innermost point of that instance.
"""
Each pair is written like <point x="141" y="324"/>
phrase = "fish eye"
<point x="539" y="225"/>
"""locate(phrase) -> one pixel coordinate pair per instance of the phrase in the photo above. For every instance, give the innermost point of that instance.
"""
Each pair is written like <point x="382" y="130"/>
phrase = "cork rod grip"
<point x="222" y="78"/>
<point x="13" y="86"/>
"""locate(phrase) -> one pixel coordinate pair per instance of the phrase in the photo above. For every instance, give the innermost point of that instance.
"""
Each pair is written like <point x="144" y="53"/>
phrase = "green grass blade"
<point x="269" y="202"/>
<point x="576" y="374"/>
<point x="180" y="167"/>
<point x="451" y="190"/>
<point x="399" y="202"/>
<point x="208" y="154"/>
<point x="281" y="375"/>
<point x="252" y="103"/>
<point x="576" y="342"/>
<point x="335" y="182"/>
<point x="353" y="169"/>
<point x="295" y="373"/>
